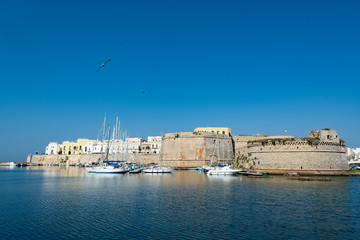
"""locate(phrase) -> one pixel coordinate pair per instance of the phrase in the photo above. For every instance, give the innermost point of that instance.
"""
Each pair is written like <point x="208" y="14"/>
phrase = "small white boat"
<point x="154" y="169"/>
<point x="105" y="169"/>
<point x="157" y="169"/>
<point x="13" y="164"/>
<point x="223" y="171"/>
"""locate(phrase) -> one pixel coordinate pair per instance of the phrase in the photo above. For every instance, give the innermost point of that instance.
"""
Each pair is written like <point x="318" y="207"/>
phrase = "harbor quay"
<point x="321" y="153"/>
<point x="75" y="159"/>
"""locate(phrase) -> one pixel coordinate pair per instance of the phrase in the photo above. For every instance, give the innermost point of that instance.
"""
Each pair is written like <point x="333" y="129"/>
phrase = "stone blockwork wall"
<point x="83" y="158"/>
<point x="241" y="141"/>
<point x="192" y="149"/>
<point x="297" y="156"/>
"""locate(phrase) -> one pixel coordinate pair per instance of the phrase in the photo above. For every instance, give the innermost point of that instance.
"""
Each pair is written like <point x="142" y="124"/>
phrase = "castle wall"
<point x="297" y="156"/>
<point x="241" y="142"/>
<point x="192" y="149"/>
<point x="84" y="158"/>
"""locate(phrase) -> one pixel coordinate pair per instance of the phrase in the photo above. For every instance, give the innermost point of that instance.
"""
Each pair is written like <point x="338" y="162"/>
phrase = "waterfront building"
<point x="75" y="147"/>
<point x="155" y="144"/>
<point x="130" y="145"/>
<point x="53" y="148"/>
<point x="133" y="145"/>
<point x="95" y="147"/>
<point x="216" y="130"/>
<point x="145" y="147"/>
<point x="353" y="154"/>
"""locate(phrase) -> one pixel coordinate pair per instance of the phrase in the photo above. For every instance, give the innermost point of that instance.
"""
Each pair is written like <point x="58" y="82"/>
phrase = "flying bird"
<point x="103" y="65"/>
<point x="143" y="92"/>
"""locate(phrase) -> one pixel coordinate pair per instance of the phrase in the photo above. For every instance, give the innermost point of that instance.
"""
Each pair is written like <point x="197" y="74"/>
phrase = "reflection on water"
<point x="68" y="202"/>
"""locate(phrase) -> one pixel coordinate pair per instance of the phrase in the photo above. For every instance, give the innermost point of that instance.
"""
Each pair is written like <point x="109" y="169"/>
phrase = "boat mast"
<point x="218" y="150"/>
<point x="118" y="139"/>
<point x="122" y="147"/>
<point x="108" y="143"/>
<point x="127" y="146"/>
<point x="103" y="139"/>
<point x="213" y="153"/>
<point x="161" y="150"/>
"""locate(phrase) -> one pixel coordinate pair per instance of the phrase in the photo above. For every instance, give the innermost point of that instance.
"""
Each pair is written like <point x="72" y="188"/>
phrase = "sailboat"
<point x="159" y="169"/>
<point x="207" y="168"/>
<point x="220" y="169"/>
<point x="105" y="167"/>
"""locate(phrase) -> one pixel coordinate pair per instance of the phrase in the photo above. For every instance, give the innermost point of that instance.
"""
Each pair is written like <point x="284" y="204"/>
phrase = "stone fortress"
<point x="322" y="152"/>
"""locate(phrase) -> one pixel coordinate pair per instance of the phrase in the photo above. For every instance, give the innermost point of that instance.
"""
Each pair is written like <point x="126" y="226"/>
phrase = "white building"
<point x="95" y="147"/>
<point x="155" y="144"/>
<point x="132" y="145"/>
<point x="53" y="148"/>
<point x="353" y="154"/>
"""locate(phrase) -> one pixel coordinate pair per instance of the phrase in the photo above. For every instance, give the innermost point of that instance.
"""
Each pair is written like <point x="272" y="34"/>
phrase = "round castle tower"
<point x="323" y="152"/>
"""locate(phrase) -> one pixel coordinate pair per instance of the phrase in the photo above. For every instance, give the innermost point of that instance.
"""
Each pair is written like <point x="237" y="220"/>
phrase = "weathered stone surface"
<point x="192" y="149"/>
<point x="83" y="158"/>
<point x="297" y="155"/>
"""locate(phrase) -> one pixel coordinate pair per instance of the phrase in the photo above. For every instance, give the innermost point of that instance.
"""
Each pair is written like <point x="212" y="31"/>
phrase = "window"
<point x="80" y="147"/>
<point x="64" y="148"/>
<point x="223" y="132"/>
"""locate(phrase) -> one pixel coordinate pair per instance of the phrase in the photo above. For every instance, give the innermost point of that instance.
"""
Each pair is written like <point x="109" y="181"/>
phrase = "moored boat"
<point x="154" y="169"/>
<point x="260" y="174"/>
<point x="136" y="170"/>
<point x="223" y="171"/>
<point x="105" y="169"/>
<point x="157" y="169"/>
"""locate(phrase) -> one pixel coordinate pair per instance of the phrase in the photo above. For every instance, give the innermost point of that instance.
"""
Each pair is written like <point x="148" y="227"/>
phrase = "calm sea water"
<point x="69" y="203"/>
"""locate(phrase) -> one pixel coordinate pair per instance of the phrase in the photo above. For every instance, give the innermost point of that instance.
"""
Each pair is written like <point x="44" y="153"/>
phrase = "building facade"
<point x="155" y="144"/>
<point x="75" y="147"/>
<point x="53" y="148"/>
<point x="216" y="130"/>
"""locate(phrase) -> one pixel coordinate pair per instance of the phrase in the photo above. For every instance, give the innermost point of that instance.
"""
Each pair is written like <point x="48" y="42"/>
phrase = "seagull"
<point x="103" y="65"/>
<point x="143" y="92"/>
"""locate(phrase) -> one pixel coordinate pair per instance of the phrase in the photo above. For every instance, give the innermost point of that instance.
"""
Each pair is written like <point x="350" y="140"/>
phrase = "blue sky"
<point x="254" y="66"/>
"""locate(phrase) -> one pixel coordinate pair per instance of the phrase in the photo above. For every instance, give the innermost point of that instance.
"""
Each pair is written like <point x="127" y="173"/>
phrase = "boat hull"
<point x="105" y="170"/>
<point x="223" y="171"/>
<point x="158" y="170"/>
